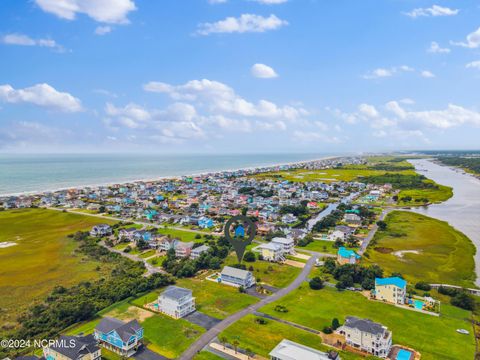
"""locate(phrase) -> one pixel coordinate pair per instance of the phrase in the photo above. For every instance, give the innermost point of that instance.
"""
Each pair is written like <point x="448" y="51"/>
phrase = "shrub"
<point x="316" y="283"/>
<point x="335" y="324"/>
<point x="422" y="285"/>
<point x="249" y="256"/>
<point x="327" y="330"/>
<point x="464" y="301"/>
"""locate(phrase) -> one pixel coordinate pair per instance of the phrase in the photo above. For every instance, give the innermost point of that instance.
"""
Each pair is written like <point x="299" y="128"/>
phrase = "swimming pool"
<point x="418" y="304"/>
<point x="404" y="355"/>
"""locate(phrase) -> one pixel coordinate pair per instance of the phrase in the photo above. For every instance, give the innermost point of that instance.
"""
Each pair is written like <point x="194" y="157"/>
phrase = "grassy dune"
<point x="435" y="251"/>
<point x="42" y="257"/>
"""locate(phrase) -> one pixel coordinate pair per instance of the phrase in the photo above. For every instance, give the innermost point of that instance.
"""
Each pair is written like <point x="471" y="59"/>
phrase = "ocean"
<point x="38" y="173"/>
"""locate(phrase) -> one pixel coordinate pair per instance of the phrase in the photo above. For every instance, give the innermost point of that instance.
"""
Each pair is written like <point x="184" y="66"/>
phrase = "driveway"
<point x="372" y="232"/>
<point x="146" y="354"/>
<point x="203" y="320"/>
<point x="203" y="340"/>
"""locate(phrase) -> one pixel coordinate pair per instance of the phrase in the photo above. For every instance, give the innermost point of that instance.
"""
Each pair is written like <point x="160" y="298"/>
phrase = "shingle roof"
<point x="282" y="240"/>
<point x="364" y="325"/>
<point x="176" y="293"/>
<point x="234" y="272"/>
<point x="75" y="347"/>
<point x="124" y="330"/>
<point x="391" y="281"/>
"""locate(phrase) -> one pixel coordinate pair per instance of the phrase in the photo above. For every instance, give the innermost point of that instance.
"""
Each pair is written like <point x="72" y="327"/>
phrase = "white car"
<point x="463" y="331"/>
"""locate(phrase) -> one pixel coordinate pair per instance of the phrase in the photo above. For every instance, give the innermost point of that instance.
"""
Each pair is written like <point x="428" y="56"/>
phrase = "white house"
<point x="236" y="277"/>
<point x="176" y="302"/>
<point x="101" y="230"/>
<point x="271" y="251"/>
<point x="287" y="245"/>
<point x="196" y="252"/>
<point x="289" y="350"/>
<point x="167" y="243"/>
<point x="366" y="335"/>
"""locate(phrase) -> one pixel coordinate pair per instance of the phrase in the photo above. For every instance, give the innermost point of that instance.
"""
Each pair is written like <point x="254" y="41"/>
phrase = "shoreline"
<point x="166" y="177"/>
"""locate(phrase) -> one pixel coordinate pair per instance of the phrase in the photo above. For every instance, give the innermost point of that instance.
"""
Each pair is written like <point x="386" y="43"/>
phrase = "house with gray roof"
<point x="118" y="336"/>
<point x="367" y="336"/>
<point x="236" y="277"/>
<point x="176" y="302"/>
<point x="73" y="348"/>
<point x="196" y="252"/>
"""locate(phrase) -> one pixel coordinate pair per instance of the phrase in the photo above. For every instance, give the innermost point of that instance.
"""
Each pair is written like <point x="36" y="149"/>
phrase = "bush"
<point x="316" y="283"/>
<point x="127" y="249"/>
<point x="464" y="301"/>
<point x="327" y="330"/>
<point x="422" y="285"/>
<point x="261" y="321"/>
<point x="335" y="324"/>
<point x="241" y="289"/>
<point x="249" y="256"/>
<point x="281" y="308"/>
<point x="198" y="236"/>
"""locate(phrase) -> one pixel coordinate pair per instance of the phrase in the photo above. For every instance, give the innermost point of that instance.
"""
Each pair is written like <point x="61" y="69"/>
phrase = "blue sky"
<point x="239" y="75"/>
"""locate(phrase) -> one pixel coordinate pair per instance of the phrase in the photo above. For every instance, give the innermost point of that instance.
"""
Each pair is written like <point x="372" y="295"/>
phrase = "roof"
<point x="75" y="347"/>
<point x="124" y="330"/>
<point x="345" y="253"/>
<point x="176" y="293"/>
<point x="289" y="350"/>
<point x="234" y="272"/>
<point x="391" y="281"/>
<point x="270" y="246"/>
<point x="201" y="248"/>
<point x="364" y="325"/>
<point x="281" y="240"/>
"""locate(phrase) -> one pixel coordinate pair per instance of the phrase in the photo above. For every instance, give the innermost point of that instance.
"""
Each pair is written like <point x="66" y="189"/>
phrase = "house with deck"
<point x="286" y="244"/>
<point x="120" y="337"/>
<point x="392" y="290"/>
<point x="176" y="302"/>
<point x="345" y="256"/>
<point x="271" y="251"/>
<point x="73" y="348"/>
<point x="183" y="249"/>
<point x="196" y="252"/>
<point x="236" y="277"/>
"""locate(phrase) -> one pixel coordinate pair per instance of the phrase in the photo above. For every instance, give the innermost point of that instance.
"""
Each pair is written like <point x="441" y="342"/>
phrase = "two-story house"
<point x="176" y="302"/>
<point x="73" y="348"/>
<point x="392" y="290"/>
<point x="118" y="336"/>
<point x="236" y="277"/>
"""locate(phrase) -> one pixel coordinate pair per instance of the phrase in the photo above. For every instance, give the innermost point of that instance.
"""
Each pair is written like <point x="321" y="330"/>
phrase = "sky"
<point x="239" y="76"/>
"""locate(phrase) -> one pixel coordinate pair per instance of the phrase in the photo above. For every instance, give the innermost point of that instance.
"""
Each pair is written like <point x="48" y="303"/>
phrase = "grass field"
<point x="441" y="194"/>
<point x="322" y="246"/>
<point x="261" y="339"/>
<point x="436" y="252"/>
<point x="185" y="236"/>
<point x="211" y="298"/>
<point x="277" y="275"/>
<point x="205" y="355"/>
<point x="435" y="337"/>
<point x="43" y="257"/>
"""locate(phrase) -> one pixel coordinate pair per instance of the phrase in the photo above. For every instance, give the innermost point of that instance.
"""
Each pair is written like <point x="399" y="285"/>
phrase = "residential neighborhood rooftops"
<point x="391" y="281"/>
<point x="176" y="293"/>
<point x="289" y="350"/>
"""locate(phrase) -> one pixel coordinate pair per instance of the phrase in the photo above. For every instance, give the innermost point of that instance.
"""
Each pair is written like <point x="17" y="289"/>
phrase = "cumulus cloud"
<point x="246" y="23"/>
<point x="25" y="40"/>
<point x="427" y="74"/>
<point x="42" y="95"/>
<point x="220" y="98"/>
<point x="380" y="73"/>
<point x="310" y="136"/>
<point x="473" y="65"/>
<point x="263" y="71"/>
<point x="104" y="11"/>
<point x="368" y="110"/>
<point x="435" y="48"/>
<point x="472" y="41"/>
<point x="435" y="10"/>
<point x="102" y="30"/>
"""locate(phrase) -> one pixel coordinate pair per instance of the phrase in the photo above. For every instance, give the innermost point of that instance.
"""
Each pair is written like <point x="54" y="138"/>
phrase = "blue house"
<point x="118" y="336"/>
<point x="205" y="222"/>
<point x="345" y="256"/>
<point x="159" y="198"/>
<point x="150" y="214"/>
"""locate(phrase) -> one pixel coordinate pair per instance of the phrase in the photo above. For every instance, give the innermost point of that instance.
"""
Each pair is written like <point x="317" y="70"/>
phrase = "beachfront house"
<point x="289" y="350"/>
<point x="392" y="290"/>
<point x="271" y="251"/>
<point x="101" y="230"/>
<point x="73" y="348"/>
<point x="176" y="302"/>
<point x="196" y="252"/>
<point x="236" y="277"/>
<point x="120" y="337"/>
<point x="127" y="234"/>
<point x="345" y="256"/>
<point x="286" y="244"/>
<point x="367" y="336"/>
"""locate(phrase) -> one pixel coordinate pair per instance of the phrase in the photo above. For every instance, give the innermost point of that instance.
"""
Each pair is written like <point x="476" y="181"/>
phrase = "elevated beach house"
<point x="118" y="336"/>
<point x="392" y="290"/>
<point x="287" y="244"/>
<point x="345" y="256"/>
<point x="236" y="277"/>
<point x="176" y="302"/>
<point x="271" y="251"/>
<point x="73" y="348"/>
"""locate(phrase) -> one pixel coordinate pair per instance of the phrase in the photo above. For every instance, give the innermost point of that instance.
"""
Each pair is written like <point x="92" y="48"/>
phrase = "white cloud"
<point x="42" y="95"/>
<point x="246" y="23"/>
<point x="104" y="11"/>
<point x="263" y="71"/>
<point x="25" y="40"/>
<point x="217" y="1"/>
<point x="387" y="72"/>
<point x="102" y="30"/>
<point x="368" y="110"/>
<point x="435" y="10"/>
<point x="473" y="40"/>
<point x="473" y="65"/>
<point x="219" y="98"/>
<point x="310" y="136"/>
<point x="427" y="74"/>
<point x="437" y="49"/>
<point x="270" y="2"/>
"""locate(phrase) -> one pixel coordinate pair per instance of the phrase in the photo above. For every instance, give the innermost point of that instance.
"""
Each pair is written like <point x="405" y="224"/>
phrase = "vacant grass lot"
<point x="43" y="257"/>
<point x="185" y="236"/>
<point x="277" y="275"/>
<point x="323" y="246"/>
<point x="443" y="193"/>
<point x="423" y="248"/>
<point x="261" y="339"/>
<point x="205" y="355"/>
<point x="435" y="337"/>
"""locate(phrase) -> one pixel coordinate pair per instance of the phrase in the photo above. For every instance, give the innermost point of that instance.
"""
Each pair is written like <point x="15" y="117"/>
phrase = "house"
<point x="345" y="256"/>
<point x="176" y="302"/>
<point x="183" y="249"/>
<point x="272" y="251"/>
<point x="127" y="234"/>
<point x="343" y="232"/>
<point x="289" y="350"/>
<point x="166" y="243"/>
<point x="287" y="244"/>
<point x="196" y="252"/>
<point x="366" y="335"/>
<point x="352" y="219"/>
<point x="236" y="277"/>
<point x="289" y="219"/>
<point x="392" y="290"/>
<point x="73" y="348"/>
<point x="101" y="230"/>
<point x="118" y="336"/>
<point x="205" y="223"/>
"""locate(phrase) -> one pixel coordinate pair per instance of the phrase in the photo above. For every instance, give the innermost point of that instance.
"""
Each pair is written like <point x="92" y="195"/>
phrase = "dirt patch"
<point x="295" y="263"/>
<point x="7" y="244"/>
<point x="403" y="252"/>
<point x="384" y="250"/>
<point x="132" y="313"/>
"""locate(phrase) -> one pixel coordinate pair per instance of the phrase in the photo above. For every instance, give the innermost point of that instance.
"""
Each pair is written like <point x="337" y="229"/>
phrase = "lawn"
<point x="433" y="251"/>
<point x="43" y="257"/>
<point x="441" y="194"/>
<point x="261" y="339"/>
<point x="205" y="355"/>
<point x="435" y="337"/>
<point x="213" y="299"/>
<point x="277" y="275"/>
<point x="322" y="246"/>
<point x="184" y="236"/>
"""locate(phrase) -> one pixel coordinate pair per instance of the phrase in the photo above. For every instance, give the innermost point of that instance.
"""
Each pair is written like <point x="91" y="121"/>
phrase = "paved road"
<point x="372" y="232"/>
<point x="213" y="332"/>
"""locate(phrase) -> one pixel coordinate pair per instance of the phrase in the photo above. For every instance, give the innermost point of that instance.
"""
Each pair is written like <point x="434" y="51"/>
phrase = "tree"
<point x="464" y="301"/>
<point x="235" y="344"/>
<point x="330" y="265"/>
<point x="198" y="236"/>
<point x="422" y="285"/>
<point x="335" y="324"/>
<point x="223" y="341"/>
<point x="249" y="256"/>
<point x="382" y="225"/>
<point x="316" y="283"/>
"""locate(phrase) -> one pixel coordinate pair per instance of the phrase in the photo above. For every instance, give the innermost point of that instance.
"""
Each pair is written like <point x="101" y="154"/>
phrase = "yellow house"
<point x="392" y="290"/>
<point x="271" y="252"/>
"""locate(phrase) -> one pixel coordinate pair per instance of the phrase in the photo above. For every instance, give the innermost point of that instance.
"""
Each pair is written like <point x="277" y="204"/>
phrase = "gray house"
<point x="236" y="277"/>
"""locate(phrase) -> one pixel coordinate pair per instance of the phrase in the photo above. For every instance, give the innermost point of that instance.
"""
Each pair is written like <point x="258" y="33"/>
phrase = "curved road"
<point x="205" y="339"/>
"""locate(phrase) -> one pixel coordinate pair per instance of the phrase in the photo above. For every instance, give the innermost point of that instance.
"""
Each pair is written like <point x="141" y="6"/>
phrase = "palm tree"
<point x="249" y="352"/>
<point x="235" y="344"/>
<point x="223" y="341"/>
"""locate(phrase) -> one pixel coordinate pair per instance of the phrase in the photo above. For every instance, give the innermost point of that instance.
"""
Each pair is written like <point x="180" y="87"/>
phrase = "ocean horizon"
<point x="34" y="173"/>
